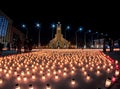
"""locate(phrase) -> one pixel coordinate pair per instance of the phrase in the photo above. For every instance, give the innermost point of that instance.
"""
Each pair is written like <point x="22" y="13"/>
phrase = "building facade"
<point x="5" y="28"/>
<point x="59" y="41"/>
<point x="7" y="31"/>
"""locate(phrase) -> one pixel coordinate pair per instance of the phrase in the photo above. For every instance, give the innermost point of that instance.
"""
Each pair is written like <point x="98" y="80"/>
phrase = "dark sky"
<point x="97" y="16"/>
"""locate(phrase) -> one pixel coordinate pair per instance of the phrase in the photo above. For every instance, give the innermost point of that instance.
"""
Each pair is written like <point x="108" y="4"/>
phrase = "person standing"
<point x="104" y="45"/>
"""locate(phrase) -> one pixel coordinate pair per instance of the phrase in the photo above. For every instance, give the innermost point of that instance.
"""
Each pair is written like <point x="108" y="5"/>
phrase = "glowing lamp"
<point x="56" y="77"/>
<point x="72" y="72"/>
<point x="25" y="78"/>
<point x="116" y="61"/>
<point x="43" y="77"/>
<point x="33" y="77"/>
<point x="113" y="79"/>
<point x="18" y="78"/>
<point x="59" y="71"/>
<point x="88" y="77"/>
<point x="28" y="73"/>
<point x="117" y="66"/>
<point x="98" y="72"/>
<point x="48" y="74"/>
<point x="64" y="73"/>
<point x="7" y="75"/>
<point x="73" y="82"/>
<point x="48" y="86"/>
<point x="1" y="81"/>
<point x="108" y="82"/>
<point x="85" y="73"/>
<point x="30" y="86"/>
<point x="108" y="70"/>
<point x="117" y="73"/>
<point x="0" y="69"/>
<point x="15" y="73"/>
<point x="17" y="86"/>
<point x="91" y="68"/>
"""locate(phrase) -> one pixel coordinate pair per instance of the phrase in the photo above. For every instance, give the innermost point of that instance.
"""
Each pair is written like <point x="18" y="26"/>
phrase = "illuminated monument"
<point x="59" y="41"/>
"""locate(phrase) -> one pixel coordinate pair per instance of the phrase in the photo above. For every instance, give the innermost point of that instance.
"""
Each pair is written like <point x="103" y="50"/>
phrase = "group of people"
<point x="111" y="44"/>
<point x="17" y="45"/>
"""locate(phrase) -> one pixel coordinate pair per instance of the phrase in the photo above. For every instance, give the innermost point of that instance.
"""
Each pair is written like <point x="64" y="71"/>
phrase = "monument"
<point x="59" y="41"/>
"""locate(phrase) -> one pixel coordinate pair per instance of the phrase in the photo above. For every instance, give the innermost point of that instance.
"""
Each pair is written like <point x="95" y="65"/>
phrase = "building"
<point x="7" y="31"/>
<point x="59" y="41"/>
<point x="17" y="34"/>
<point x="5" y="28"/>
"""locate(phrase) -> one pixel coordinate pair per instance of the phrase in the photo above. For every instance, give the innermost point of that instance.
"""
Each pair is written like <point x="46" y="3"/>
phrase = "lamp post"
<point x="24" y="26"/>
<point x="85" y="38"/>
<point x="92" y="39"/>
<point x="38" y="27"/>
<point x="80" y="29"/>
<point x="67" y="29"/>
<point x="53" y="27"/>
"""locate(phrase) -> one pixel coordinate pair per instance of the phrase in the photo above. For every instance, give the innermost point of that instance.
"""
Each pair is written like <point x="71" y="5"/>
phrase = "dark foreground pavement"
<point x="116" y="56"/>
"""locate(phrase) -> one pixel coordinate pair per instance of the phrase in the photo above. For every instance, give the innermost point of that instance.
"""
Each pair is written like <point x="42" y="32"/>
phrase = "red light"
<point x="113" y="79"/>
<point x="117" y="66"/>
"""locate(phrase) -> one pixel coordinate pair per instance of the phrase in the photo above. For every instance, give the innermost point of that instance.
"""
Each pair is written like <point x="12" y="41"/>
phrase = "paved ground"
<point x="97" y="81"/>
<point x="116" y="56"/>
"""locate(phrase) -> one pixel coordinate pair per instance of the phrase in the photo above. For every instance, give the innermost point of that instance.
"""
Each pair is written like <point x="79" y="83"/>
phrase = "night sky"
<point x="98" y="16"/>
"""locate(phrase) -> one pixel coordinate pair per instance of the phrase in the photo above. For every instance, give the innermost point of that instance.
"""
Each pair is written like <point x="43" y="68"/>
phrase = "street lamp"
<point x="80" y="29"/>
<point x="92" y="40"/>
<point x="67" y="29"/>
<point x="85" y="37"/>
<point x="38" y="27"/>
<point x="53" y="27"/>
<point x="24" y="26"/>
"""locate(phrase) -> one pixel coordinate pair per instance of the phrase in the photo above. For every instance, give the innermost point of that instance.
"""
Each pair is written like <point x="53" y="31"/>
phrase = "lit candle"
<point x="28" y="72"/>
<point x="43" y="77"/>
<point x="25" y="78"/>
<point x="17" y="86"/>
<point x="48" y="86"/>
<point x="18" y="78"/>
<point x="98" y="72"/>
<point x="1" y="81"/>
<point x="56" y="77"/>
<point x="72" y="72"/>
<point x="30" y="86"/>
<point x="48" y="74"/>
<point x="22" y="73"/>
<point x="116" y="61"/>
<point x="85" y="73"/>
<point x="108" y="70"/>
<point x="7" y="75"/>
<point x="0" y="69"/>
<point x="113" y="79"/>
<point x="73" y="82"/>
<point x="88" y="77"/>
<point x="91" y="68"/>
<point x="33" y="77"/>
<point x="59" y="71"/>
<point x="108" y="82"/>
<point x="83" y="68"/>
<point x="117" y="73"/>
<point x="64" y="73"/>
